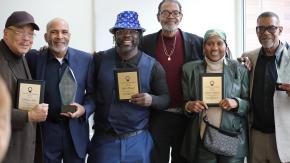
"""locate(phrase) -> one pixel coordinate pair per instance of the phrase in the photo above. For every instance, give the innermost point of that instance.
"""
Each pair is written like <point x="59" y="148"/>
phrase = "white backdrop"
<point x="78" y="13"/>
<point x="198" y="16"/>
<point x="90" y="20"/>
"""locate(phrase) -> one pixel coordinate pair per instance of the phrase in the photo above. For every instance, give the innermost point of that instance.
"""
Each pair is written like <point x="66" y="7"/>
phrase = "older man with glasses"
<point x="172" y="47"/>
<point x="270" y="93"/>
<point x="17" y="41"/>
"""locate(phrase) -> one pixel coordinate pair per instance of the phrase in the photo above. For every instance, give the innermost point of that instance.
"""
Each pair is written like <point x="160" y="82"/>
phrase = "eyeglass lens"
<point x="262" y="29"/>
<point x="167" y="13"/>
<point x="22" y="33"/>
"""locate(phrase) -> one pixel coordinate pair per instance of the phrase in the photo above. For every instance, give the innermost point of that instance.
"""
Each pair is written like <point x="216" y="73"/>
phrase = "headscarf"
<point x="215" y="32"/>
<point x="221" y="34"/>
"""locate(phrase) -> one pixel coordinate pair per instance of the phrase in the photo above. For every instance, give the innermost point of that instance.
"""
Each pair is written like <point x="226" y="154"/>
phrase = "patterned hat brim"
<point x="112" y="30"/>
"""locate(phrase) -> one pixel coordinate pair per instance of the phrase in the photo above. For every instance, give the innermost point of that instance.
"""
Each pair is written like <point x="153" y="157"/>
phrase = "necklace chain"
<point x="165" y="49"/>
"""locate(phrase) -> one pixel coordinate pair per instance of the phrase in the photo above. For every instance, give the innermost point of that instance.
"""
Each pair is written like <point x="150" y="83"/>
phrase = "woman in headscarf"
<point x="229" y="113"/>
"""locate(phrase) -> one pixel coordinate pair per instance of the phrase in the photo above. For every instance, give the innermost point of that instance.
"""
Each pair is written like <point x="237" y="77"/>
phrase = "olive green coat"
<point x="236" y="85"/>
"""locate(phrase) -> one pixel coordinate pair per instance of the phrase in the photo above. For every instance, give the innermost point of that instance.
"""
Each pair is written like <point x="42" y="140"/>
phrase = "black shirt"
<point x="53" y="74"/>
<point x="263" y="92"/>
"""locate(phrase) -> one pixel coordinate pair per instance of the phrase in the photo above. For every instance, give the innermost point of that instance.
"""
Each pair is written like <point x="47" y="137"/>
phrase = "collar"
<point x="214" y="67"/>
<point x="132" y="62"/>
<point x="9" y="55"/>
<point x="278" y="53"/>
<point x="51" y="57"/>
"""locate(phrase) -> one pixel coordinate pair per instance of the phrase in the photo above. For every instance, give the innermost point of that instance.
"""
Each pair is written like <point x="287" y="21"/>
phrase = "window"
<point x="253" y="8"/>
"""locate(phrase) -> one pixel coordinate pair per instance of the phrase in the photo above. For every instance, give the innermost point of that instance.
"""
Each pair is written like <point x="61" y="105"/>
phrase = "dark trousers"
<point x="167" y="130"/>
<point x="58" y="145"/>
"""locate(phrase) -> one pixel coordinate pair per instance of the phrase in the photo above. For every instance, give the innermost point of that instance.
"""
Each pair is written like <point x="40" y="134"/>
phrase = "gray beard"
<point x="168" y="29"/>
<point x="267" y="44"/>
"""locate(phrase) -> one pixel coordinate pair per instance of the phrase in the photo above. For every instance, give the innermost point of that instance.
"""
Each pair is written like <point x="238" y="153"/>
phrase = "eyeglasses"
<point x="166" y="13"/>
<point x="271" y="29"/>
<point x="126" y="31"/>
<point x="22" y="33"/>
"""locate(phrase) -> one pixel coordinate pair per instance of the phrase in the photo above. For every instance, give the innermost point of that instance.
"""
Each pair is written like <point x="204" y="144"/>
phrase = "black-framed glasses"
<point x="126" y="31"/>
<point x="166" y="13"/>
<point x="271" y="29"/>
<point x="22" y="33"/>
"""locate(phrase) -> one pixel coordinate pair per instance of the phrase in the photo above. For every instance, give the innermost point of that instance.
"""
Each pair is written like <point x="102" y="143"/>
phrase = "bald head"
<point x="57" y="36"/>
<point x="54" y="21"/>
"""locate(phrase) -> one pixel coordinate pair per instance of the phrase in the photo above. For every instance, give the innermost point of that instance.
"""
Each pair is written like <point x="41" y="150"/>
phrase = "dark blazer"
<point x="192" y="45"/>
<point x="82" y="66"/>
<point x="23" y="138"/>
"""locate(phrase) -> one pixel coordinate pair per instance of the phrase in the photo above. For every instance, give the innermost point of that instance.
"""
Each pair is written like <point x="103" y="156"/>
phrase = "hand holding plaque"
<point x="67" y="89"/>
<point x="127" y="83"/>
<point x="29" y="93"/>
<point x="212" y="88"/>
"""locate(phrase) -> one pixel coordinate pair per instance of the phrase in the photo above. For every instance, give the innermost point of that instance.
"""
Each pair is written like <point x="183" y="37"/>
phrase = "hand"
<point x="142" y="99"/>
<point x="43" y="49"/>
<point x="80" y="110"/>
<point x="228" y="104"/>
<point x="195" y="106"/>
<point x="246" y="61"/>
<point x="285" y="87"/>
<point x="38" y="113"/>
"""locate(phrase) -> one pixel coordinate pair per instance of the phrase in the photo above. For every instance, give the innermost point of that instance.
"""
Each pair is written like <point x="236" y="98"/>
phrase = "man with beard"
<point x="270" y="93"/>
<point x="121" y="126"/>
<point x="172" y="48"/>
<point x="68" y="88"/>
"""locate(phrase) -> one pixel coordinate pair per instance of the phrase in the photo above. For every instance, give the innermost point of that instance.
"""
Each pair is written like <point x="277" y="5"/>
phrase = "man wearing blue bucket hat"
<point x="121" y="124"/>
<point x="172" y="47"/>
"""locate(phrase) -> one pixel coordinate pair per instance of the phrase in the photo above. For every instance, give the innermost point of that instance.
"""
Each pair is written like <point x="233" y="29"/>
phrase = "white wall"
<point x="90" y="20"/>
<point x="198" y="16"/>
<point x="78" y="13"/>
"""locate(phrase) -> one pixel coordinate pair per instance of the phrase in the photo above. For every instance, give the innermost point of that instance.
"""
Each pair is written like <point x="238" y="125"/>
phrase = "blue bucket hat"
<point x="127" y="20"/>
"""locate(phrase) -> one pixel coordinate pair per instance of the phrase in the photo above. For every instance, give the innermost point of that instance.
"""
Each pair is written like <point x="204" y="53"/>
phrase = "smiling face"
<point x="127" y="40"/>
<point x="169" y="16"/>
<point x="214" y="48"/>
<point x="58" y="37"/>
<point x="268" y="38"/>
<point x="19" y="39"/>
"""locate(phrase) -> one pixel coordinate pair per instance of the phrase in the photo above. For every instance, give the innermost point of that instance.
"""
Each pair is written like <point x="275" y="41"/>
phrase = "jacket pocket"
<point x="231" y="121"/>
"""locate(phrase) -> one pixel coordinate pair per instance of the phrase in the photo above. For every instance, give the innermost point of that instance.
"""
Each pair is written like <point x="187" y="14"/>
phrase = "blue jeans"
<point x="106" y="149"/>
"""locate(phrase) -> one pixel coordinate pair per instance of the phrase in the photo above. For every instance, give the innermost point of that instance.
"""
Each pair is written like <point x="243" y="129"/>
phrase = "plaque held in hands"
<point x="212" y="88"/>
<point x="29" y="93"/>
<point x="127" y="83"/>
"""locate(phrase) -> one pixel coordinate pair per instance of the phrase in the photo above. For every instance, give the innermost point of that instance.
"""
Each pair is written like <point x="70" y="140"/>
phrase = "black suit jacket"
<point x="192" y="45"/>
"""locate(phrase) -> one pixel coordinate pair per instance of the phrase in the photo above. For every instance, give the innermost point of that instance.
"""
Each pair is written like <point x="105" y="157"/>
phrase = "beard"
<point x="126" y="48"/>
<point x="267" y="43"/>
<point x="169" y="28"/>
<point x="58" y="49"/>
